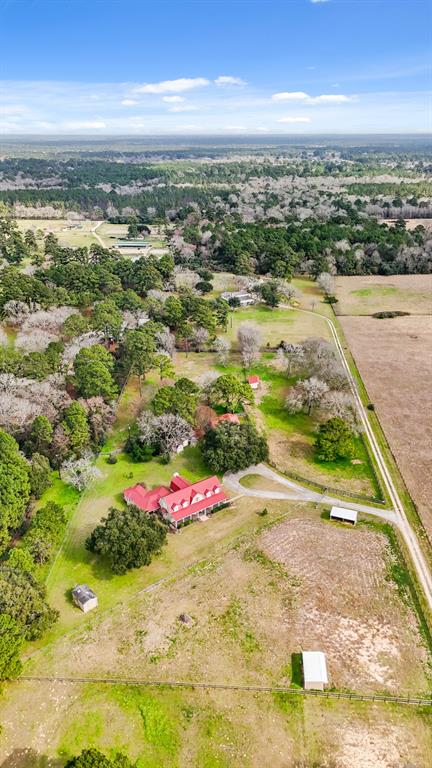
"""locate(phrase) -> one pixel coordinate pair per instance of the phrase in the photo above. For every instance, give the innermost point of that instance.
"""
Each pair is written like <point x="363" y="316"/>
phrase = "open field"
<point x="270" y="597"/>
<point x="263" y="597"/>
<point x="208" y="729"/>
<point x="394" y="358"/>
<point x="280" y="324"/>
<point x="78" y="233"/>
<point x="69" y="232"/>
<point x="364" y="295"/>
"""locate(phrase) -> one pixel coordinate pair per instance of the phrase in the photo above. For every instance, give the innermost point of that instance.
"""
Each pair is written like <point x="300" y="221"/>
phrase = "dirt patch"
<point x="346" y="605"/>
<point x="374" y="745"/>
<point x="260" y="483"/>
<point x="394" y="358"/>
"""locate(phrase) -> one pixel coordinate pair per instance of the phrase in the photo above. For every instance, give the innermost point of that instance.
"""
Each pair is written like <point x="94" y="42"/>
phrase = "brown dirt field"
<point x="364" y="295"/>
<point x="346" y="606"/>
<point x="394" y="358"/>
<point x="259" y="614"/>
<point x="411" y="223"/>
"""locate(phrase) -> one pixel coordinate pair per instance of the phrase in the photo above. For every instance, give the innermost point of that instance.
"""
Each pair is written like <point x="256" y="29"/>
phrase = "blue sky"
<point x="300" y="66"/>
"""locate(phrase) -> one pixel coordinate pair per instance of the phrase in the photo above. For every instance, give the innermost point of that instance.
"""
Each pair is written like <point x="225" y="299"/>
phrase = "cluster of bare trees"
<point x="37" y="327"/>
<point x="323" y="385"/>
<point x="21" y="400"/>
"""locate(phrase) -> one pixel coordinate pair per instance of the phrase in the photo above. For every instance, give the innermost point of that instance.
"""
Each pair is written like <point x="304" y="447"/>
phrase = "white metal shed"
<point x="314" y="670"/>
<point x="343" y="515"/>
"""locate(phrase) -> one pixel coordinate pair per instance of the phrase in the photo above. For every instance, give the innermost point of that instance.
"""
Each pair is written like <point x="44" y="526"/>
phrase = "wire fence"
<point x="327" y="489"/>
<point x="411" y="700"/>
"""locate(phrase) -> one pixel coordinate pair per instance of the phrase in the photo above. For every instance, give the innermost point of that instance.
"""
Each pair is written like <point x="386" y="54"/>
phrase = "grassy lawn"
<point x="279" y="324"/>
<point x="70" y="233"/>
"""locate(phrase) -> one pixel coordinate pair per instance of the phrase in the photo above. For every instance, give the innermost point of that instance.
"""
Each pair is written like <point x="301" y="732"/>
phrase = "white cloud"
<point x="129" y="102"/>
<point x="332" y="98"/>
<point x="172" y="99"/>
<point x="229" y="80"/>
<point x="294" y="120"/>
<point x="187" y="127"/>
<point x="167" y="86"/>
<point x="13" y="109"/>
<point x="234" y="128"/>
<point x="184" y="108"/>
<point x="290" y="96"/>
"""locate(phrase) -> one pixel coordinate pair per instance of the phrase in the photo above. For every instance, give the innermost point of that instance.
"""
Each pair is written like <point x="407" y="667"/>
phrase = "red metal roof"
<point x="253" y="379"/>
<point x="147" y="500"/>
<point x="188" y="495"/>
<point x="151" y="500"/>
<point x="198" y="506"/>
<point x="178" y="482"/>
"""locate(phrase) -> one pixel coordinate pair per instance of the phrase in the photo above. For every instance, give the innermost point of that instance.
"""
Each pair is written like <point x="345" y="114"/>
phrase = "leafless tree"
<point x="79" y="472"/>
<point x="172" y="433"/>
<point x="326" y="283"/>
<point x="222" y="347"/>
<point x="22" y="399"/>
<point x="289" y="291"/>
<point x="165" y="341"/>
<point x="290" y="357"/>
<point x="249" y="343"/>
<point x="306" y="394"/>
<point x="341" y="405"/>
<point x="200" y="338"/>
<point x="146" y="424"/>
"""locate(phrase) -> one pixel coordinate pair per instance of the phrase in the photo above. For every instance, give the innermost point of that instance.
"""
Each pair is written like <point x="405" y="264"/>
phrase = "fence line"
<point x="327" y="489"/>
<point x="412" y="700"/>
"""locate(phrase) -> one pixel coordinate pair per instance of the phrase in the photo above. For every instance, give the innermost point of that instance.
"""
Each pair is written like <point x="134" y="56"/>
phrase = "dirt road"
<point x="296" y="492"/>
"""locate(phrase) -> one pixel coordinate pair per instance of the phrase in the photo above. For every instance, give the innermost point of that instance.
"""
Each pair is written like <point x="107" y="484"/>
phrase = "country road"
<point x="411" y="541"/>
<point x="98" y="237"/>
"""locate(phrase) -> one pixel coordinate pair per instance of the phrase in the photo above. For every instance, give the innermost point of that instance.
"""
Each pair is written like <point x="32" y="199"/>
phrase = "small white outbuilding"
<point x="343" y="515"/>
<point x="314" y="670"/>
<point x="84" y="597"/>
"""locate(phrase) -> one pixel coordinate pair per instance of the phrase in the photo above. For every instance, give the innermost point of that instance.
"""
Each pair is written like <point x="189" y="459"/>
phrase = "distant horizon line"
<point x="253" y="135"/>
